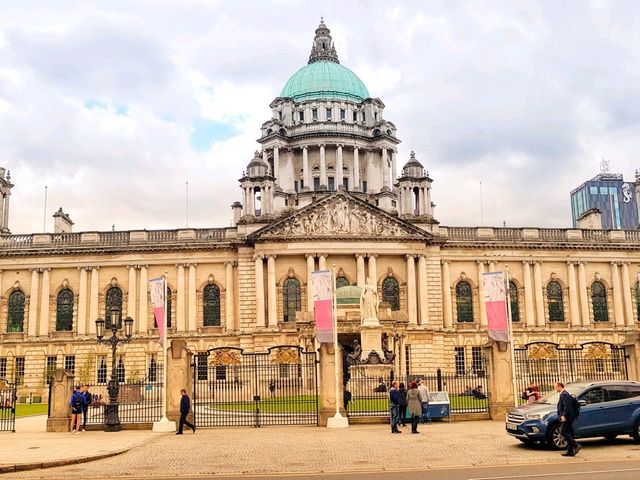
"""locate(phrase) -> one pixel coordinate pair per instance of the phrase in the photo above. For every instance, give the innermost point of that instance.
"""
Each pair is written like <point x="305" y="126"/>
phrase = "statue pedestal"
<point x="371" y="338"/>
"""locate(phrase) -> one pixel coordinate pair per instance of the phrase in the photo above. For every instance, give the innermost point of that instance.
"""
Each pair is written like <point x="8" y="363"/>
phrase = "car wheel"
<point x="636" y="431"/>
<point x="555" y="439"/>
<point x="611" y="437"/>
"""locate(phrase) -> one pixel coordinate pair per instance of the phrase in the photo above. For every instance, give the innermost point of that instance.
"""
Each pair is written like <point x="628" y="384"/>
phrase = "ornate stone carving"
<point x="597" y="351"/>
<point x="210" y="279"/>
<point x="114" y="282"/>
<point x="285" y="355"/>
<point x="542" y="351"/>
<point x="225" y="356"/>
<point x="291" y="273"/>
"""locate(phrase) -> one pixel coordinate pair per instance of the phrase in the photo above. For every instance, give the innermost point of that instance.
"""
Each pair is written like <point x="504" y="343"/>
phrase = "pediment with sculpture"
<point x="341" y="216"/>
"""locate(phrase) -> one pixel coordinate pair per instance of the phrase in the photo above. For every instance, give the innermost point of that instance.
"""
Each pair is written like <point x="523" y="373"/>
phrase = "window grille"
<point x="101" y="377"/>
<point x="113" y="301"/>
<point x="464" y="302"/>
<point x="599" y="302"/>
<point x="64" y="311"/>
<point x="15" y="318"/>
<point x="391" y="292"/>
<point x="70" y="363"/>
<point x="120" y="371"/>
<point x="211" y="307"/>
<point x="459" y="360"/>
<point x="554" y="299"/>
<point x="514" y="302"/>
<point x="3" y="367"/>
<point x="18" y="373"/>
<point x="52" y="362"/>
<point x="476" y="359"/>
<point x="291" y="299"/>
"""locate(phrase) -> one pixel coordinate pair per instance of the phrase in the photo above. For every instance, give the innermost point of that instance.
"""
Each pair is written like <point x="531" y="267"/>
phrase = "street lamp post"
<point x="112" y="422"/>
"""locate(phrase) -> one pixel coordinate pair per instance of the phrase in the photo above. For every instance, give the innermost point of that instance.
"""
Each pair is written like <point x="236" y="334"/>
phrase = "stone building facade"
<point x="323" y="192"/>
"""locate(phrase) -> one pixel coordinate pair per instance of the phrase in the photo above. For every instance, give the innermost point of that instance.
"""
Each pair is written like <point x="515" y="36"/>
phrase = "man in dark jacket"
<point x="567" y="414"/>
<point x="185" y="408"/>
<point x="394" y="402"/>
<point x="87" y="399"/>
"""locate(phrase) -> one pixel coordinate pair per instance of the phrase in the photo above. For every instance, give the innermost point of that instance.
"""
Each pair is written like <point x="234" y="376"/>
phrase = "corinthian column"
<point x="229" y="297"/>
<point x="573" y="295"/>
<point x="446" y="295"/>
<point x="582" y="294"/>
<point x="323" y="168"/>
<point x="528" y="295"/>
<point x="306" y="173"/>
<point x="373" y="269"/>
<point x="537" y="283"/>
<point x="385" y="169"/>
<point x="142" y="322"/>
<point x="626" y="295"/>
<point x="339" y="168"/>
<point x="276" y="164"/>
<point x="32" y="327"/>
<point x="192" y="319"/>
<point x="181" y="306"/>
<point x="82" y="303"/>
<point x="131" y="300"/>
<point x="483" y="309"/>
<point x="411" y="290"/>
<point x="272" y="291"/>
<point x="93" y="300"/>
<point x="423" y="304"/>
<point x="44" y="304"/>
<point x="259" y="280"/>
<point x="617" y="295"/>
<point x="322" y="261"/>
<point x="360" y="278"/>
<point x="356" y="169"/>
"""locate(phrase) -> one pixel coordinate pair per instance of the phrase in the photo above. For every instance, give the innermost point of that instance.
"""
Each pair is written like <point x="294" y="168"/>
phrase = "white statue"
<point x="369" y="304"/>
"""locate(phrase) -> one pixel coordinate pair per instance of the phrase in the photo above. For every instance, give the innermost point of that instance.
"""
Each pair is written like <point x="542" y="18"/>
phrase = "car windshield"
<point x="552" y="398"/>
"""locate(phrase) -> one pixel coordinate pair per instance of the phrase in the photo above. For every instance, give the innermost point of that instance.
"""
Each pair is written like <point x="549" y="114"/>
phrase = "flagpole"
<point x="510" y="333"/>
<point x="164" y="425"/>
<point x="337" y="421"/>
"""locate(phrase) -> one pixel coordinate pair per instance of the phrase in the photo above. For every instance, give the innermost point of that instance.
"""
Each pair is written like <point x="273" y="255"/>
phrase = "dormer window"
<point x="328" y="114"/>
<point x="314" y="113"/>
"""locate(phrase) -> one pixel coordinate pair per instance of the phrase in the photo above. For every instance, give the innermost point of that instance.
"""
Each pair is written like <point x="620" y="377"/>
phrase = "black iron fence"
<point x="139" y="402"/>
<point x="545" y="363"/>
<point x="277" y="387"/>
<point x="368" y="394"/>
<point x="8" y="398"/>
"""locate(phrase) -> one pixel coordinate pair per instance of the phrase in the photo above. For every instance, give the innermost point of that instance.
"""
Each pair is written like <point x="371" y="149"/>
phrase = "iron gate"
<point x="8" y="397"/>
<point x="234" y="388"/>
<point x="546" y="363"/>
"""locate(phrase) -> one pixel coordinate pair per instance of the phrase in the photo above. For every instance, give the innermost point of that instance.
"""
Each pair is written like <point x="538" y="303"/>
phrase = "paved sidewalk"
<point x="242" y="451"/>
<point x="32" y="447"/>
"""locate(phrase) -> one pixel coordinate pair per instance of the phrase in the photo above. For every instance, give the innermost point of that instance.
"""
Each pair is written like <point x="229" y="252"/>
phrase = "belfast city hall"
<point x="325" y="189"/>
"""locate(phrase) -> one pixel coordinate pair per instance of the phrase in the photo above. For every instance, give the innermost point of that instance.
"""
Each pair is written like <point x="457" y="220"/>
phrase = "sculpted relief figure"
<point x="369" y="304"/>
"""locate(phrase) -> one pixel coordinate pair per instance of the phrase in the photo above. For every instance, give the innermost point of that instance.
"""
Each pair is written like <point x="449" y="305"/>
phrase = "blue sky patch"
<point x="206" y="131"/>
<point x="95" y="104"/>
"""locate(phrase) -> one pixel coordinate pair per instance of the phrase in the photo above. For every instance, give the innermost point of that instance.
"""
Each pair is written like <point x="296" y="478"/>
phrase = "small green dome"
<point x="324" y="80"/>
<point x="349" y="295"/>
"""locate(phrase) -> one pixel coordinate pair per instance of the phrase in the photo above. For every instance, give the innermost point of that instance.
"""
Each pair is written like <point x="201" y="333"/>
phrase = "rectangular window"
<point x="70" y="363"/>
<point x="332" y="184"/>
<point x="203" y="372"/>
<point x="314" y="113"/>
<point x="343" y="114"/>
<point x="355" y="116"/>
<point x="345" y="183"/>
<point x="364" y="186"/>
<point x="593" y="190"/>
<point x="459" y="360"/>
<point x="476" y="359"/>
<point x="604" y="190"/>
<point x="328" y="114"/>
<point x="301" y="115"/>
<point x="18" y="373"/>
<point x="316" y="183"/>
<point x="101" y="371"/>
<point x="50" y="370"/>
<point x="3" y="367"/>
<point x="221" y="373"/>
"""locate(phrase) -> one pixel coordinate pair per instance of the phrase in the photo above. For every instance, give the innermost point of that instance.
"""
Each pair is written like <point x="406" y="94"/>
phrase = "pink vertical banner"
<point x="156" y="288"/>
<point x="495" y="301"/>
<point x="322" y="291"/>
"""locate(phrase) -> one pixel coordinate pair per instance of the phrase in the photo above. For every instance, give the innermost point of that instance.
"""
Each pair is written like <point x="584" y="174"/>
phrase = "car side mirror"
<point x="582" y="403"/>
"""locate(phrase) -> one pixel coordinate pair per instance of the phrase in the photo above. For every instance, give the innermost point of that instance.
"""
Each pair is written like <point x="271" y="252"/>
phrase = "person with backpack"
<point x="77" y="402"/>
<point x="568" y="411"/>
<point x="87" y="399"/>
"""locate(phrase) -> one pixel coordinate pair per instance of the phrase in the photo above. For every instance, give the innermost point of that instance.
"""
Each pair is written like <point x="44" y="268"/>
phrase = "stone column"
<point x="626" y="295"/>
<point x="230" y="296"/>
<point x="411" y="290"/>
<point x="483" y="309"/>
<point x="131" y="300"/>
<point x="322" y="261"/>
<point x="265" y="159"/>
<point x="360" y="278"/>
<point x="259" y="272"/>
<point x="276" y="164"/>
<point x="323" y="168"/>
<point x="394" y="173"/>
<point x="252" y="205"/>
<point x="327" y="383"/>
<point x="617" y="295"/>
<point x="529" y="314"/>
<point x="32" y="327"/>
<point x="142" y="322"/>
<point x="264" y="205"/>
<point x="93" y="300"/>
<point x="306" y="173"/>
<point x="446" y="295"/>
<point x="502" y="398"/>
<point x="192" y="319"/>
<point x="373" y="269"/>
<point x="339" y="168"/>
<point x="61" y="385"/>
<point x="272" y="291"/>
<point x="369" y="171"/>
<point x="44" y="304"/>
<point x="423" y="301"/>
<point x="81" y="327"/>
<point x="537" y="285"/>
<point x="582" y="294"/>
<point x="492" y="266"/>
<point x="356" y="169"/>
<point x="181" y="307"/>
<point x="385" y="169"/>
<point x="573" y="295"/>
<point x="179" y="360"/>
<point x="5" y="213"/>
<point x="310" y="268"/>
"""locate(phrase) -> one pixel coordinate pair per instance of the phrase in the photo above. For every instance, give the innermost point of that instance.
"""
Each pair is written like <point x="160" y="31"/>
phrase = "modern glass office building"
<point x="609" y="193"/>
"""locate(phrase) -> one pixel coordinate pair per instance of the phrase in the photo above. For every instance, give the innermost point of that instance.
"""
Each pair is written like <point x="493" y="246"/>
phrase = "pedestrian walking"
<point x="185" y="408"/>
<point x="423" y="392"/>
<point x="415" y="407"/>
<point x="76" y="403"/>
<point x="394" y="394"/>
<point x="568" y="410"/>
<point x="87" y="399"/>
<point x="272" y="387"/>
<point x="402" y="405"/>
<point x="346" y="398"/>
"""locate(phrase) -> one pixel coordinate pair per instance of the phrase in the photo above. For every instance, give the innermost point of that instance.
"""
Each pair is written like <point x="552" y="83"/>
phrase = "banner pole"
<point x="510" y="333"/>
<point x="337" y="421"/>
<point x="164" y="425"/>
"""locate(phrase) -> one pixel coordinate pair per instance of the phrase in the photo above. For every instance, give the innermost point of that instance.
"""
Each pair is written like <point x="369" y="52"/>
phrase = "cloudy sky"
<point x="115" y="105"/>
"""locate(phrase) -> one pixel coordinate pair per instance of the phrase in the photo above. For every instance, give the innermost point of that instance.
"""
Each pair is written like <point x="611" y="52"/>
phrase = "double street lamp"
<point x="112" y="422"/>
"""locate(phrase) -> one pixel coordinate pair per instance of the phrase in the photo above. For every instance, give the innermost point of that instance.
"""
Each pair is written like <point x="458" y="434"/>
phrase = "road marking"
<point x="541" y="475"/>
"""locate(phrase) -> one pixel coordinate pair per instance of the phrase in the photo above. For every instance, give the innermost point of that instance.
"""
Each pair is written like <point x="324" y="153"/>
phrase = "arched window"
<point x="211" y="306"/>
<point x="168" y="313"/>
<point x="120" y="372"/>
<point x="112" y="301"/>
<point x="554" y="299"/>
<point x="391" y="293"/>
<point x="102" y="371"/>
<point x="599" y="302"/>
<point x="153" y="370"/>
<point x="342" y="282"/>
<point x="515" y="302"/>
<point x="15" y="319"/>
<point x="64" y="311"/>
<point x="464" y="302"/>
<point x="291" y="299"/>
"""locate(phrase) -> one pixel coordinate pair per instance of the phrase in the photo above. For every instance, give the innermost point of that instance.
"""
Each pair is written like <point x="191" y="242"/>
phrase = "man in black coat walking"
<point x="185" y="408"/>
<point x="567" y="414"/>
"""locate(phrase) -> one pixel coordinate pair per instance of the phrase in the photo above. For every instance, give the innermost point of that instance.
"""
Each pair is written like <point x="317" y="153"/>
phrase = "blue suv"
<point x="607" y="409"/>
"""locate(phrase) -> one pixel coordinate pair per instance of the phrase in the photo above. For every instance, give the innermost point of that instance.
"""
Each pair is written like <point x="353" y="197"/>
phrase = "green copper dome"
<point x="325" y="80"/>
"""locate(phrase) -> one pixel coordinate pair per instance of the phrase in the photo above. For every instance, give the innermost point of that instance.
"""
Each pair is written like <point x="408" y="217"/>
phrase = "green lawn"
<point x="23" y="409"/>
<point x="291" y="404"/>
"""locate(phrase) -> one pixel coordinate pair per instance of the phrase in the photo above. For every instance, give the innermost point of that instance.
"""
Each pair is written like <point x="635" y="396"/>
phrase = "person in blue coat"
<point x="185" y="408"/>
<point x="394" y="406"/>
<point x="76" y="403"/>
<point x="567" y="413"/>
